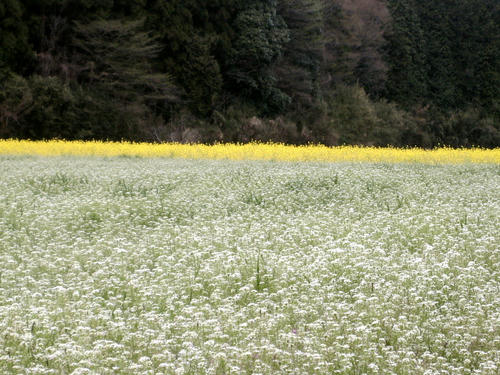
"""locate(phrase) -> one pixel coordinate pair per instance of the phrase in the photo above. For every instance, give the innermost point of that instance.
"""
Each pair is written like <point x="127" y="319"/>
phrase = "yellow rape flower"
<point x="252" y="151"/>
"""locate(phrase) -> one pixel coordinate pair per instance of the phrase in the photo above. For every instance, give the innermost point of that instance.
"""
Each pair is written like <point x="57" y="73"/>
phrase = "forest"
<point x="420" y="73"/>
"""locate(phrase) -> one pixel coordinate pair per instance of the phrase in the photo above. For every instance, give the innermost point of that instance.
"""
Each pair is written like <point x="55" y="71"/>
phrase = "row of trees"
<point x="401" y="72"/>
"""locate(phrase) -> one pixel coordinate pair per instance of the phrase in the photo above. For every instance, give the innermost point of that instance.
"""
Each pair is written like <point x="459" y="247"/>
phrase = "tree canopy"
<point x="402" y="72"/>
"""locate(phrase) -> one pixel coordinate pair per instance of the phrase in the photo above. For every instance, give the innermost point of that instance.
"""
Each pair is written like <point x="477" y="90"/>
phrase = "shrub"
<point x="37" y="108"/>
<point x="46" y="107"/>
<point x="15" y="99"/>
<point x="469" y="128"/>
<point x="460" y="128"/>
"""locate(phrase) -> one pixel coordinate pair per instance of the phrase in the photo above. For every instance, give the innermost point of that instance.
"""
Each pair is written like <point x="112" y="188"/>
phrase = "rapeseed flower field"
<point x="251" y="151"/>
<point x="171" y="263"/>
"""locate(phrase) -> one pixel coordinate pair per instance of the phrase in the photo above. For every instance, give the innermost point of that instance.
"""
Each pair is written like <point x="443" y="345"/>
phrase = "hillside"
<point x="369" y="72"/>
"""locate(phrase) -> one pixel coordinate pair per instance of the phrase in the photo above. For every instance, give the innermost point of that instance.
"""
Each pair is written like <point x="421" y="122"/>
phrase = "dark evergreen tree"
<point x="116" y="58"/>
<point x="15" y="51"/>
<point x="476" y="52"/>
<point x="85" y="68"/>
<point x="261" y="35"/>
<point x="406" y="54"/>
<point x="353" y="31"/>
<point x="366" y="21"/>
<point x="299" y="69"/>
<point x="193" y="46"/>
<point x="439" y="63"/>
<point x="336" y="67"/>
<point x="445" y="53"/>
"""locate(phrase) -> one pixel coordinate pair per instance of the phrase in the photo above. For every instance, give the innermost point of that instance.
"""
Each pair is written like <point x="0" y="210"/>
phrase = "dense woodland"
<point x="373" y="72"/>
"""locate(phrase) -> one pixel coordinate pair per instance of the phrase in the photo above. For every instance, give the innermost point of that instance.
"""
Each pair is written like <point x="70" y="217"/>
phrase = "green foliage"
<point x="197" y="37"/>
<point x="351" y="117"/>
<point x="408" y="80"/>
<point x="50" y="113"/>
<point x="46" y="107"/>
<point x="364" y="23"/>
<point x="193" y="41"/>
<point x="15" y="99"/>
<point x="444" y="53"/>
<point x="116" y="58"/>
<point x="262" y="35"/>
<point x="397" y="127"/>
<point x="15" y="52"/>
<point x="299" y="69"/>
<point x="117" y="54"/>
<point x="351" y="114"/>
<point x="468" y="127"/>
<point x="477" y="52"/>
<point x="37" y="108"/>
<point x="336" y="66"/>
<point x="201" y="76"/>
<point x="333" y="71"/>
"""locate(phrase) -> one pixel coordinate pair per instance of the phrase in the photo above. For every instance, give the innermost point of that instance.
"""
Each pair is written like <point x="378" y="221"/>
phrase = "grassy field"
<point x="132" y="265"/>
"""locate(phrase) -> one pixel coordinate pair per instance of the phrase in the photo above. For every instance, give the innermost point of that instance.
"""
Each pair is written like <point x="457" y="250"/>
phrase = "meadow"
<point x="159" y="265"/>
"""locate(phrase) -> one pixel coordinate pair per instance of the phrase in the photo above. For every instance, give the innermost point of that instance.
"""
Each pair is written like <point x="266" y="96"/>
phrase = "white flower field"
<point x="161" y="266"/>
